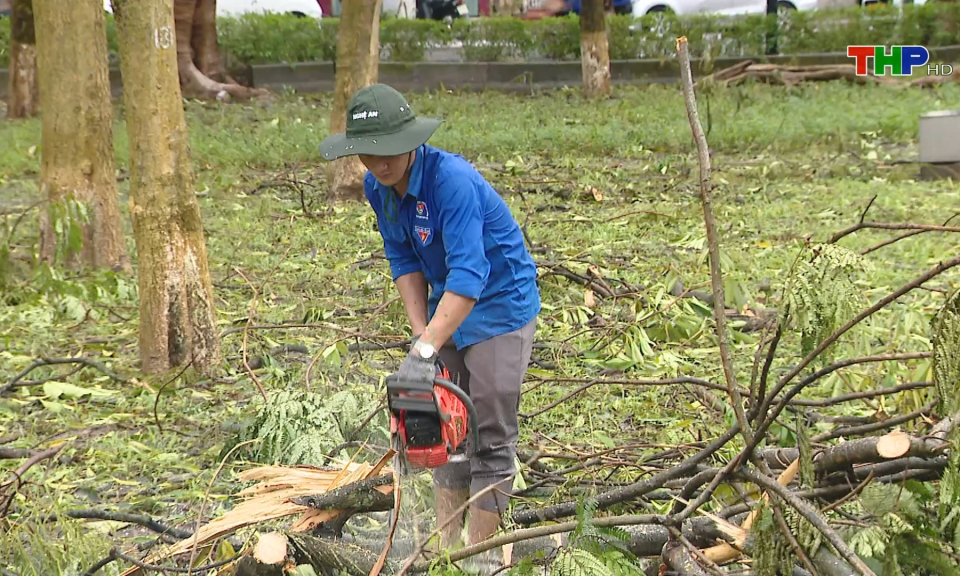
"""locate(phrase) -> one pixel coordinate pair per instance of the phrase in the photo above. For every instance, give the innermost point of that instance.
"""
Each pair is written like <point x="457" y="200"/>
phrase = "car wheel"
<point x="297" y="14"/>
<point x="660" y="8"/>
<point x="784" y="6"/>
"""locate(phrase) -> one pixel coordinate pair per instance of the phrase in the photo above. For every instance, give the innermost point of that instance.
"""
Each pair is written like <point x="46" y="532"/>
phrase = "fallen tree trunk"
<point x="275" y="550"/>
<point x="792" y="75"/>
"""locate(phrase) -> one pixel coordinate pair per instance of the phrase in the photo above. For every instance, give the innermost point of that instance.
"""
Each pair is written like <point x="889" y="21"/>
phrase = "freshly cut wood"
<point x="893" y="445"/>
<point x="723" y="553"/>
<point x="865" y="450"/>
<point x="271" y="549"/>
<point x="272" y="498"/>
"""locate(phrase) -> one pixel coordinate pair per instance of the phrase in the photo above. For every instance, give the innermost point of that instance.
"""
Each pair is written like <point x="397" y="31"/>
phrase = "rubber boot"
<point x="482" y="525"/>
<point x="447" y="502"/>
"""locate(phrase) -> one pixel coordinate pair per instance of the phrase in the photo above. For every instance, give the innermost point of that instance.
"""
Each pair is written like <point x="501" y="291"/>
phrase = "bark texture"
<point x="594" y="49"/>
<point x="177" y="313"/>
<point x="23" y="99"/>
<point x="358" y="59"/>
<point x="201" y="70"/>
<point x="77" y="158"/>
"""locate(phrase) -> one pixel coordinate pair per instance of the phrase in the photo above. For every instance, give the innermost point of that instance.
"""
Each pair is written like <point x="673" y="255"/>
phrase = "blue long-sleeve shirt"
<point x="454" y="227"/>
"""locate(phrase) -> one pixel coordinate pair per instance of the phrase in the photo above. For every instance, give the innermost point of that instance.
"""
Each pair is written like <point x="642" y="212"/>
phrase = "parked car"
<point x="721" y="7"/>
<point x="237" y="7"/>
<point x="297" y="7"/>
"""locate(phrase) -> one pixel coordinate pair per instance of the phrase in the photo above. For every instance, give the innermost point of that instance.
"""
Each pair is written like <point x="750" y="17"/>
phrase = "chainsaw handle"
<point x="471" y="409"/>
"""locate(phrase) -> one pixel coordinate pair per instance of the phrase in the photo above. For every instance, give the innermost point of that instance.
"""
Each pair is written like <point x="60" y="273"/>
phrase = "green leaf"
<point x="55" y="390"/>
<point x="55" y="407"/>
<point x="332" y="354"/>
<point x="604" y="439"/>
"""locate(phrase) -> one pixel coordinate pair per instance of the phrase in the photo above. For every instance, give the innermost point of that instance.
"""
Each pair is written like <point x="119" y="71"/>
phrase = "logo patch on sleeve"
<point x="422" y="210"/>
<point x="424" y="233"/>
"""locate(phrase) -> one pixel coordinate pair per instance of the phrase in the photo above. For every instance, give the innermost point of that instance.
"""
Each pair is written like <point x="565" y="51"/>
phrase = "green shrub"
<point x="493" y="39"/>
<point x="557" y="38"/>
<point x="5" y="42"/>
<point x="273" y="38"/>
<point x="407" y="40"/>
<point x="624" y="44"/>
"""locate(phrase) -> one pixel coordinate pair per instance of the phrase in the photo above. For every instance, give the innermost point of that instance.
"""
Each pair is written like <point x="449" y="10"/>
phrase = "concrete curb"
<point x="521" y="76"/>
<point x="503" y="76"/>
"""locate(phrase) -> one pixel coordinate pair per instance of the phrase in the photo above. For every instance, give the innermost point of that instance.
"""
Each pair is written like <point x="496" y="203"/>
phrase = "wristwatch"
<point x="425" y="349"/>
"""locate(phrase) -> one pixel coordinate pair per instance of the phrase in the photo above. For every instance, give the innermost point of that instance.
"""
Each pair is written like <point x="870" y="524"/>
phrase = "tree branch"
<point x="713" y="245"/>
<point x="16" y="382"/>
<point x="631" y="492"/>
<point x="917" y="228"/>
<point x="139" y="519"/>
<point x="810" y="513"/>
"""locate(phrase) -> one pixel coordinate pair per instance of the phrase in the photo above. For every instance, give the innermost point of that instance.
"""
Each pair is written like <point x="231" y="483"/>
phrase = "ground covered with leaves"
<point x="607" y="196"/>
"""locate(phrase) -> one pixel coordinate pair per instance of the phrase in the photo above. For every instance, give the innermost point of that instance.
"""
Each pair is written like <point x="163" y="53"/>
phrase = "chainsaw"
<point x="429" y="422"/>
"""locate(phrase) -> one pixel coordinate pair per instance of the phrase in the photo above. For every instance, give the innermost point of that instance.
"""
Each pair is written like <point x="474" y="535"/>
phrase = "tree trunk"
<point x="198" y="53"/>
<point x="772" y="27"/>
<point x="177" y="313"/>
<point x="594" y="50"/>
<point x="22" y="96"/>
<point x="77" y="152"/>
<point x="358" y="59"/>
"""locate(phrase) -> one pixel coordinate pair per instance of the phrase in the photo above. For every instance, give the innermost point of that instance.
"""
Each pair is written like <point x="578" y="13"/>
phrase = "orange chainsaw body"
<point x="428" y="424"/>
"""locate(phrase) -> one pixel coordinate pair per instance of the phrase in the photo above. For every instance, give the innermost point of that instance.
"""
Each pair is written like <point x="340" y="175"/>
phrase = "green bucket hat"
<point x="380" y="122"/>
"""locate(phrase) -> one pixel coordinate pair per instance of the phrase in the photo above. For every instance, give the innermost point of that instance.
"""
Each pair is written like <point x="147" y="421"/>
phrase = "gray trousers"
<point x="491" y="373"/>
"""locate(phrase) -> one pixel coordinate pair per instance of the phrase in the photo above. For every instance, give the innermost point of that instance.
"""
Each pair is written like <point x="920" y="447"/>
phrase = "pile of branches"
<point x="867" y="454"/>
<point x="791" y="75"/>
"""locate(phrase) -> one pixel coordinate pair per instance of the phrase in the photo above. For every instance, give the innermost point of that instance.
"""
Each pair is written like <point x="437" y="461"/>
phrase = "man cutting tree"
<point x="445" y="228"/>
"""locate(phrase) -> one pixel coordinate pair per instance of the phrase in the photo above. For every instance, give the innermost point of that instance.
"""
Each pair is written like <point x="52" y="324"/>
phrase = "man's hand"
<point x="417" y="369"/>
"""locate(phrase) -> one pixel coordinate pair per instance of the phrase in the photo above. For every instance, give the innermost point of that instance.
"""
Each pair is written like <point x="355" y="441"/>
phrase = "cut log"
<point x="271" y="549"/>
<point x="859" y="451"/>
<point x="893" y="445"/>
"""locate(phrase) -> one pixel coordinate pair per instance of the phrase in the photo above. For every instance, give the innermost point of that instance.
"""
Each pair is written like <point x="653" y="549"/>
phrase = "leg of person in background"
<point x="497" y="367"/>
<point x="452" y="482"/>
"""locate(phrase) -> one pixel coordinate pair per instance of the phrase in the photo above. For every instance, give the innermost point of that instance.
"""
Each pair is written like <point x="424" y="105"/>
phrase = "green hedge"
<point x="272" y="38"/>
<point x="253" y="39"/>
<point x="4" y="42"/>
